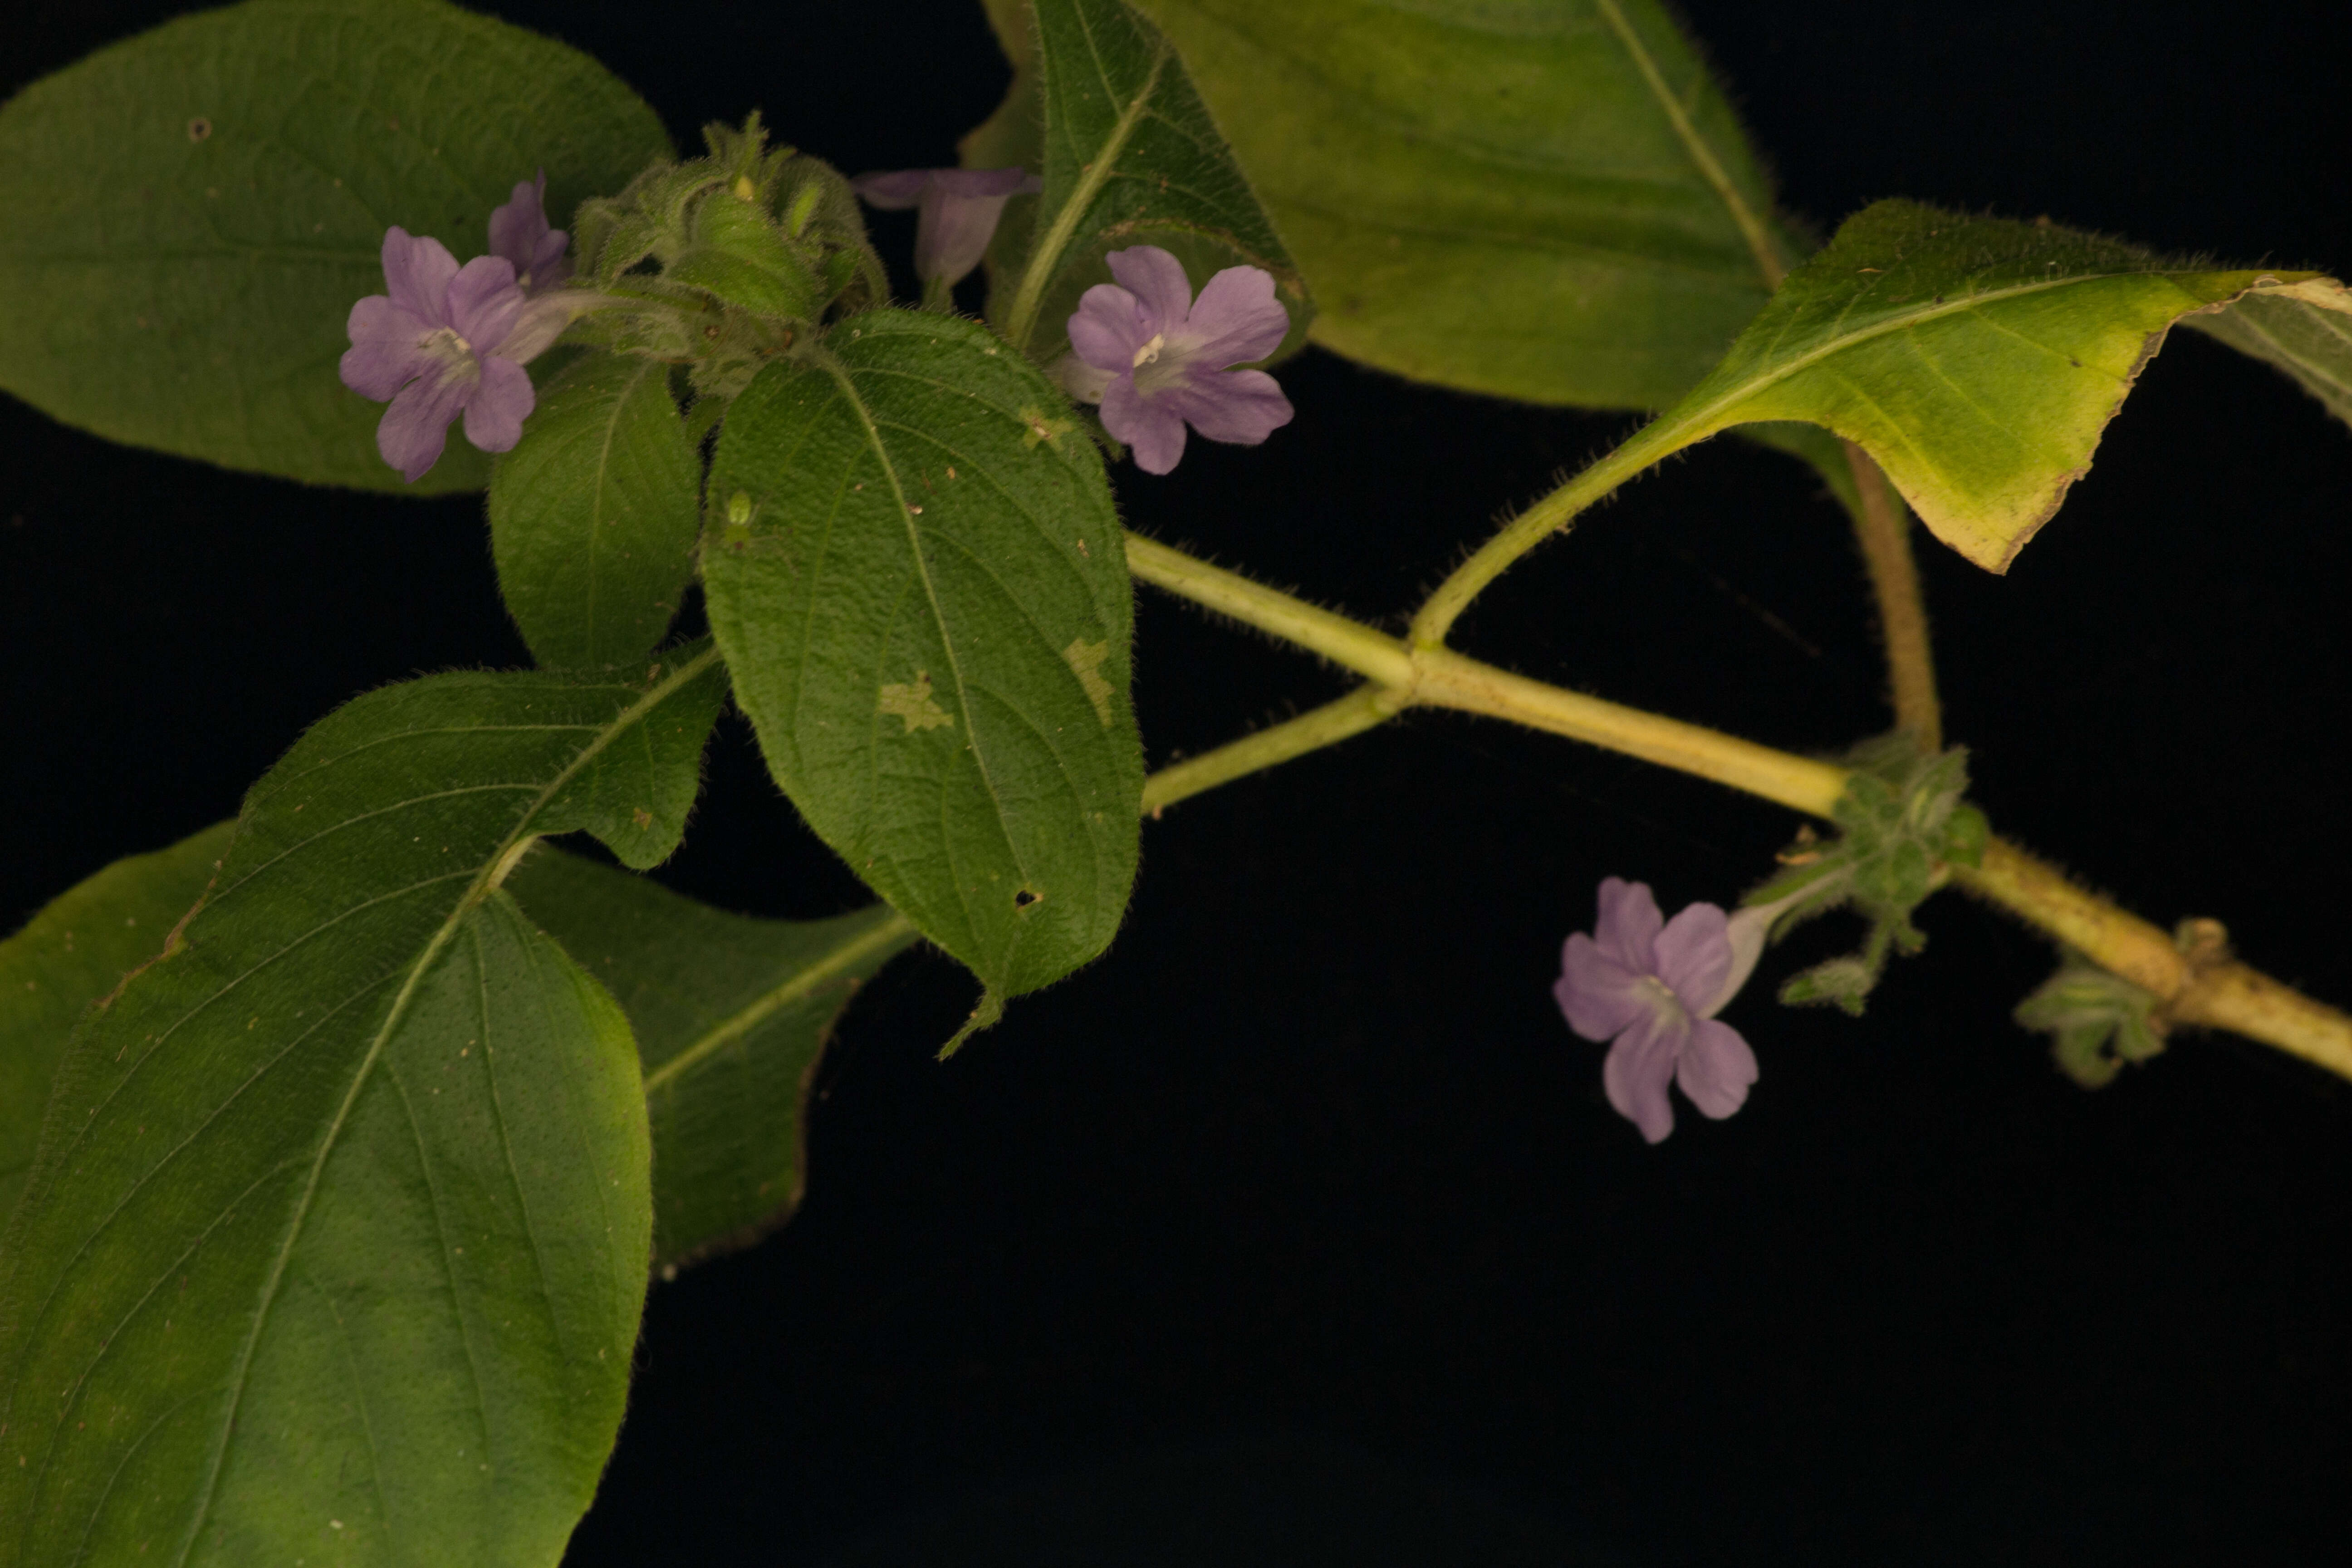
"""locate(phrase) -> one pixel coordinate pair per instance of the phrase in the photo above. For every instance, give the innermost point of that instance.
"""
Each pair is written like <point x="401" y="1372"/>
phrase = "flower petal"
<point x="1108" y="328"/>
<point x="416" y="273"/>
<point x="1745" y="932"/>
<point x="1715" y="1068"/>
<point x="519" y="232"/>
<point x="953" y="232"/>
<point x="1629" y="924"/>
<point x="1693" y="954"/>
<point x="893" y="190"/>
<point x="1240" y="406"/>
<point x="384" y="356"/>
<point x="1600" y="997"/>
<point x="1153" y="431"/>
<point x="1237" y="319"/>
<point x="1083" y="382"/>
<point x="1640" y="1066"/>
<point x="494" y="414"/>
<point x="483" y="301"/>
<point x="412" y="431"/>
<point x="1156" y="280"/>
<point x="1012" y="182"/>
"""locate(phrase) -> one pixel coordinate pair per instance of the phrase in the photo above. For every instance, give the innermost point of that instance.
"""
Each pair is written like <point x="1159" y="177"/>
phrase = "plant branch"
<point x="1883" y="529"/>
<point x="2212" y="991"/>
<point x="1353" y="714"/>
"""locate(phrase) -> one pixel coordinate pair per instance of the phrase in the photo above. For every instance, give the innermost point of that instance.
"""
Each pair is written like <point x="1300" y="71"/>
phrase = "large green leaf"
<point x="913" y="566"/>
<point x="192" y="213"/>
<point x="1130" y="158"/>
<point x="730" y="1015"/>
<point x="74" y="951"/>
<point x="592" y="515"/>
<point x="1977" y="359"/>
<point x="2311" y="341"/>
<point x="1545" y="199"/>
<point x="338" y="1231"/>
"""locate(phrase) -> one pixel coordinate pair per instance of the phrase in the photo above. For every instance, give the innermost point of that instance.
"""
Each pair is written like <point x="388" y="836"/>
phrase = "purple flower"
<point x="518" y="231"/>
<point x="1652" y="987"/>
<point x="447" y="338"/>
<point x="957" y="212"/>
<point x="1156" y="358"/>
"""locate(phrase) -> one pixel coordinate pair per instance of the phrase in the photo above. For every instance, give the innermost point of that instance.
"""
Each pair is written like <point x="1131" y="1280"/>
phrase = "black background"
<point x="1296" y="1229"/>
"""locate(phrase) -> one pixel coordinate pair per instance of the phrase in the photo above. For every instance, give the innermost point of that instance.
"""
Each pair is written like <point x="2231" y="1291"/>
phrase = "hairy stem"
<point x="1334" y="722"/>
<point x="2217" y="992"/>
<point x="2214" y="993"/>
<point x="1884" y="532"/>
<point x="1524" y="532"/>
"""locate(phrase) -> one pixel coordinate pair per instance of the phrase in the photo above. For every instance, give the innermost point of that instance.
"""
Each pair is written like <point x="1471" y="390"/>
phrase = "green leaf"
<point x="730" y="1015"/>
<point x="338" y="1232"/>
<point x="1543" y="199"/>
<point x="74" y="951"/>
<point x="192" y="213"/>
<point x="1977" y="360"/>
<point x="592" y="515"/>
<point x="1130" y="158"/>
<point x="913" y="566"/>
<point x="2309" y="338"/>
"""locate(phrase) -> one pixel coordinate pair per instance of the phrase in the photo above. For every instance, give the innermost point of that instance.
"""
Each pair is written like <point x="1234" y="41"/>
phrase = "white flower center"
<point x="1151" y="351"/>
<point x="1664" y="1002"/>
<point x="455" y="355"/>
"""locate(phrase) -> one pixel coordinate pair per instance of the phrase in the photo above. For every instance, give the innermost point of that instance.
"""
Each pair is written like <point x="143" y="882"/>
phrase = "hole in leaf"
<point x="199" y="128"/>
<point x="1025" y="897"/>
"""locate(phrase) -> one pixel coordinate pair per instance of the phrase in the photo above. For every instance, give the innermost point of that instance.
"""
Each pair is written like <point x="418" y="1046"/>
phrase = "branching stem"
<point x="2219" y="993"/>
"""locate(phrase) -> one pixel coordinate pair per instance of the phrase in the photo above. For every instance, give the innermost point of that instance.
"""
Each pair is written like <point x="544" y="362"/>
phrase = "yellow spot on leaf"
<point x="1086" y="660"/>
<point x="914" y="704"/>
<point x="1041" y="428"/>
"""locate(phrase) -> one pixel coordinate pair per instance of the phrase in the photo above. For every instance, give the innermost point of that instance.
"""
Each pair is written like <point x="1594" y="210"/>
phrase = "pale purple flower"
<point x="519" y="232"/>
<point x="1156" y="358"/>
<point x="1652" y="987"/>
<point x="957" y="212"/>
<point x="447" y="338"/>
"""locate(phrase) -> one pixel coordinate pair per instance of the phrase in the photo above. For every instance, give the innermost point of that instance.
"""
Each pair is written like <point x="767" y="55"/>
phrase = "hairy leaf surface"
<point x="915" y="572"/>
<point x="2308" y="338"/>
<point x="593" y="516"/>
<point x="77" y="950"/>
<point x="1544" y="199"/>
<point x="730" y="1015"/>
<point x="335" y="1240"/>
<point x="192" y="213"/>
<point x="1130" y="158"/>
<point x="1977" y="359"/>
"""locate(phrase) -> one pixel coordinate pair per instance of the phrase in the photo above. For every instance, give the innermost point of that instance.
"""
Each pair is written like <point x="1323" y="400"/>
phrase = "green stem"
<point x="1334" y="722"/>
<point x="2219" y="993"/>
<point x="1652" y="444"/>
<point x="1883" y="529"/>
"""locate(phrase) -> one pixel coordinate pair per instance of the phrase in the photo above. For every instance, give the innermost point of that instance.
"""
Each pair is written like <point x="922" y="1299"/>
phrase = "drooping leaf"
<point x="192" y="213"/>
<point x="592" y="515"/>
<point x="730" y="1015"/>
<point x="913" y="566"/>
<point x="1543" y="199"/>
<point x="77" y="950"/>
<point x="2310" y="341"/>
<point x="1130" y="158"/>
<point x="1977" y="360"/>
<point x="336" y="1237"/>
